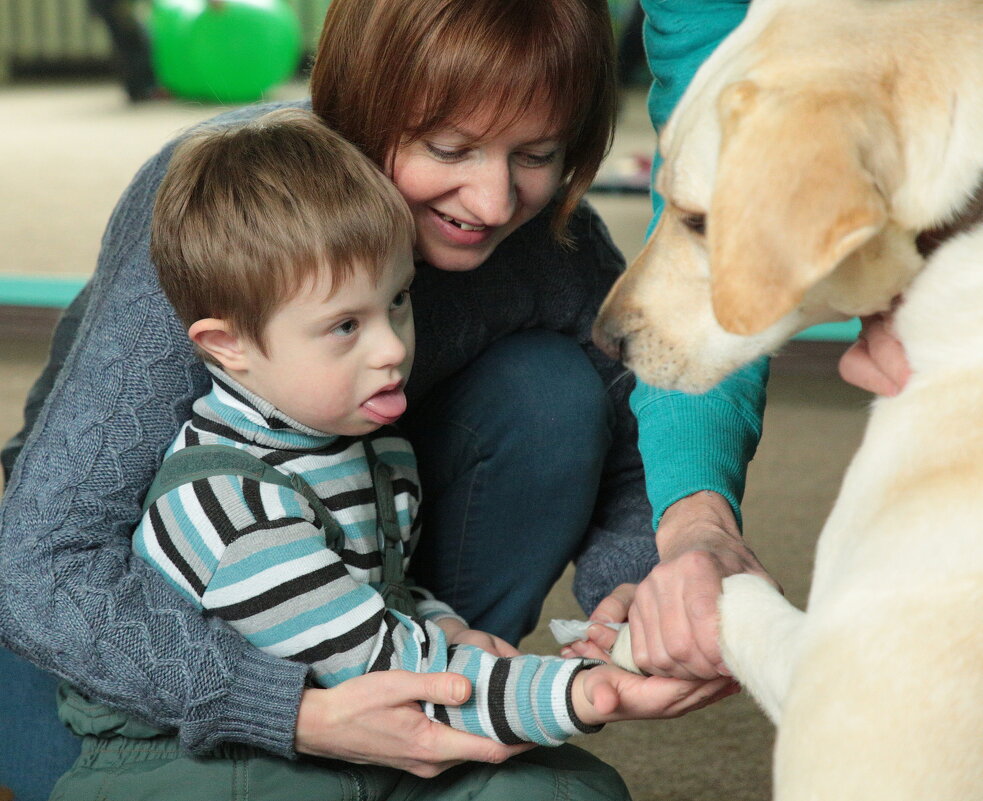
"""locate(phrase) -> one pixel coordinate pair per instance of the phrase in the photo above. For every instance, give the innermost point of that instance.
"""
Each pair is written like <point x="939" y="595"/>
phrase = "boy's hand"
<point x="459" y="634"/>
<point x="607" y="693"/>
<point x="496" y="646"/>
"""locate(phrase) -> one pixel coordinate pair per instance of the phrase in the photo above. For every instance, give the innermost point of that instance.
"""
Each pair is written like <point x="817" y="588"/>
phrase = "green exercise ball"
<point x="229" y="51"/>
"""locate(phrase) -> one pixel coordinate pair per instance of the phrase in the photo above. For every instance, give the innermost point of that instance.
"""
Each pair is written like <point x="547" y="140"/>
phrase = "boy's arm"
<point x="608" y="693"/>
<point x="269" y="573"/>
<point x="255" y="555"/>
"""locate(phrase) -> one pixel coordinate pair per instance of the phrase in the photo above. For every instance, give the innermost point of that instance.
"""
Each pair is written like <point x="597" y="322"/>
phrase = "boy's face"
<point x="338" y="364"/>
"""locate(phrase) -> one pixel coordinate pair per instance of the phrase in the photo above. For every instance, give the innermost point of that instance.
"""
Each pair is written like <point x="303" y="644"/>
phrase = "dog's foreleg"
<point x="759" y="638"/>
<point x="759" y="634"/>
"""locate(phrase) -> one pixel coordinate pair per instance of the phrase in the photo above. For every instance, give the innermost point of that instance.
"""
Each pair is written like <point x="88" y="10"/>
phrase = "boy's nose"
<point x="391" y="350"/>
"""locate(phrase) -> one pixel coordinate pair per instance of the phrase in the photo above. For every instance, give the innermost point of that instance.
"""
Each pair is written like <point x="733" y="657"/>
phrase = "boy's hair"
<point x="247" y="215"/>
<point x="390" y="72"/>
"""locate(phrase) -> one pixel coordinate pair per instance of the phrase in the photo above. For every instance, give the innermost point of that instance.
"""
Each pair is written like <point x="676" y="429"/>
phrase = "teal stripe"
<point x="140" y="549"/>
<point x="359" y="530"/>
<point x="524" y="697"/>
<point x="350" y="467"/>
<point x="289" y="500"/>
<point x="274" y="556"/>
<point x="189" y="531"/>
<point x="313" y="618"/>
<point x="47" y="292"/>
<point x="832" y="332"/>
<point x="544" y="696"/>
<point x="335" y="677"/>
<point x="469" y="710"/>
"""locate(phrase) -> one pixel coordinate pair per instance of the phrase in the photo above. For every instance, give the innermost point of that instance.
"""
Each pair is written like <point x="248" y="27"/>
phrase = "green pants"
<point x="123" y="760"/>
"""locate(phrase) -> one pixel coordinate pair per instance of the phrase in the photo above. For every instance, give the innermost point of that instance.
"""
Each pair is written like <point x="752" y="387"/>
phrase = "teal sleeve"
<point x="700" y="442"/>
<point x="693" y="442"/>
<point x="678" y="37"/>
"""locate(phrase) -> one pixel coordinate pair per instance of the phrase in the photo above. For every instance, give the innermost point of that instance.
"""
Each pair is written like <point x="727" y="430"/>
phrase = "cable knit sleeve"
<point x="73" y="598"/>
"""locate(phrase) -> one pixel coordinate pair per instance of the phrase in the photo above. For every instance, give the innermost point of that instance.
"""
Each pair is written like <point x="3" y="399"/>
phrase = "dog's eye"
<point x="697" y="223"/>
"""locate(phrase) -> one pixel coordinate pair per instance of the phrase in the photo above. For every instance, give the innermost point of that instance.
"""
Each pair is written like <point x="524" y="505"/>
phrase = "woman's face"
<point x="468" y="193"/>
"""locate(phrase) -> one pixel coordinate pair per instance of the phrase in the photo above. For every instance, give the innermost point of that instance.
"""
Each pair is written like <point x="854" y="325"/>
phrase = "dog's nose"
<point x="610" y="342"/>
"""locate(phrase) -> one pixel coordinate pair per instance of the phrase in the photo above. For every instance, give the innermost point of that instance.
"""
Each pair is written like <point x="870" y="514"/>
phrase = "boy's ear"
<point x="216" y="338"/>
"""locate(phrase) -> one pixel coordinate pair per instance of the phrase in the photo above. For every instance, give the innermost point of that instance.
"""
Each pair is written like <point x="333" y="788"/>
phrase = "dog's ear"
<point x="793" y="197"/>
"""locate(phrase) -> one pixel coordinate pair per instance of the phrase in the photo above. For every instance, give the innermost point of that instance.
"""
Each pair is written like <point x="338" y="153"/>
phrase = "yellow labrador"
<point x="810" y="154"/>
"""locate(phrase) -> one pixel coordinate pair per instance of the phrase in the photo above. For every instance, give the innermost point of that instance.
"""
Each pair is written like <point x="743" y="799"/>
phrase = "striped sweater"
<point x="254" y="554"/>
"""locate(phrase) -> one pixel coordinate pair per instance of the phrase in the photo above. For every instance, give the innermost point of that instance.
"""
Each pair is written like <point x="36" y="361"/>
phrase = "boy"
<point x="289" y="257"/>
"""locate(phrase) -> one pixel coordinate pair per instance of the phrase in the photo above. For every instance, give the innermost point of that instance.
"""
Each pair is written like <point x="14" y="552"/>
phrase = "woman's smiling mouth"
<point x="460" y="224"/>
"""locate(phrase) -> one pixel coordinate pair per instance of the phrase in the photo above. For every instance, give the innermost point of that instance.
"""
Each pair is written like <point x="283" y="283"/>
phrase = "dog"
<point x="818" y="168"/>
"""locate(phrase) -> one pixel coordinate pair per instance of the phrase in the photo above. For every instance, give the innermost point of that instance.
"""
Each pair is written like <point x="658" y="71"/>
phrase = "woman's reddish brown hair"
<point x="391" y="71"/>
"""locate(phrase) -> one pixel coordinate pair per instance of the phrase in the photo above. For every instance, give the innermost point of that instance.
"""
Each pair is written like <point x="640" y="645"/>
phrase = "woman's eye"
<point x="345" y="329"/>
<point x="444" y="153"/>
<point x="697" y="223"/>
<point x="537" y="159"/>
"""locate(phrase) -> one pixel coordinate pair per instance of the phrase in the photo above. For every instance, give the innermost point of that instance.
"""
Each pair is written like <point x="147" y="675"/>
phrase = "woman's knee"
<point x="550" y="402"/>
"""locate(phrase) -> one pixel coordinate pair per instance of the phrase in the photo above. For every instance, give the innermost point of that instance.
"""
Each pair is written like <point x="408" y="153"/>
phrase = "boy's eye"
<point x="345" y="329"/>
<point x="401" y="299"/>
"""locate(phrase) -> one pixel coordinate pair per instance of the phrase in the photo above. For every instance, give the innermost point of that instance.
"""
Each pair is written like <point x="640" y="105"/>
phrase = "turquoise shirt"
<point x="693" y="442"/>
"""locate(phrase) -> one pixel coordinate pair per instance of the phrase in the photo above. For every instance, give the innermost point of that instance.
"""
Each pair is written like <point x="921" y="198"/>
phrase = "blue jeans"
<point x="35" y="748"/>
<point x="510" y="452"/>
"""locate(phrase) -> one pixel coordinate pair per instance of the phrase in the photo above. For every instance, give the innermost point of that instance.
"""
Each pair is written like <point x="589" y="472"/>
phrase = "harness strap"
<point x="395" y="593"/>
<point x="205" y="461"/>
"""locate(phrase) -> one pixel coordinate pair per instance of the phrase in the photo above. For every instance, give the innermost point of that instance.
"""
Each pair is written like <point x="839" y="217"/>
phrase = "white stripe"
<point x="269" y="495"/>
<point x="203" y="525"/>
<point x="160" y="559"/>
<point x="258" y="583"/>
<point x="332" y="628"/>
<point x="481" y="685"/>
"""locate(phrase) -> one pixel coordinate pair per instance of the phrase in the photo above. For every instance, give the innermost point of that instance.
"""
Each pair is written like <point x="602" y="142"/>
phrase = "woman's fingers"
<point x="877" y="361"/>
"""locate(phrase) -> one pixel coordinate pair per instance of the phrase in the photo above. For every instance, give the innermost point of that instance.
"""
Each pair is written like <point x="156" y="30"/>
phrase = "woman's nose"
<point x="491" y="193"/>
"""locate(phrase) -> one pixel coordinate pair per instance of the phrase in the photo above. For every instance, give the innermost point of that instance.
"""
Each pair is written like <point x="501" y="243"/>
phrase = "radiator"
<point x="36" y="33"/>
<point x="50" y="32"/>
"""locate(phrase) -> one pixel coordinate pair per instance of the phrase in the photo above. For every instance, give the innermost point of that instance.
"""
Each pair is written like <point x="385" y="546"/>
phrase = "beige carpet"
<point x="66" y="151"/>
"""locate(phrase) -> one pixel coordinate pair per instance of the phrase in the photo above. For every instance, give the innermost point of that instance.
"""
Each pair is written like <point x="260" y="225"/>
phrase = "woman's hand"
<point x="376" y="719"/>
<point x="673" y="612"/>
<point x="876" y="361"/>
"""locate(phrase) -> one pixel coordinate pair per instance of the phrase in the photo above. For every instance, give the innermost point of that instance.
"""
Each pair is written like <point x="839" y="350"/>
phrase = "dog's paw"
<point x="759" y="638"/>
<point x="621" y="652"/>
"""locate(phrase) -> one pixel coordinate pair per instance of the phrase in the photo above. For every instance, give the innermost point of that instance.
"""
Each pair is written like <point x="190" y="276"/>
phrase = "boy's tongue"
<point x="386" y="407"/>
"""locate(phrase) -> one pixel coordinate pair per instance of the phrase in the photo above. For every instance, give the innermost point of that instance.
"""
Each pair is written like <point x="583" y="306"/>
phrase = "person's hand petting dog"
<point x="673" y="611"/>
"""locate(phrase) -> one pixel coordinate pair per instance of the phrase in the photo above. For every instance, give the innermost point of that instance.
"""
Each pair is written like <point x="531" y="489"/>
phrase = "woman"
<point x="522" y="428"/>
